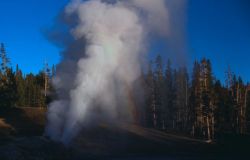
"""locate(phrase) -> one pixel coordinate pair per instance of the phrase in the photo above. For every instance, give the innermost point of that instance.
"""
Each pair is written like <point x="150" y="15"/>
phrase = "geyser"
<point x="104" y="59"/>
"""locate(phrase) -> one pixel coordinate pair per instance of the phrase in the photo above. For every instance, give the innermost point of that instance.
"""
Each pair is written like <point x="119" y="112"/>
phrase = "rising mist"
<point x="109" y="42"/>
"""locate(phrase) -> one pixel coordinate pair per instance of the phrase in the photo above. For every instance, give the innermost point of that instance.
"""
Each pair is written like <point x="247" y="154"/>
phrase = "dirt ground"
<point x="21" y="138"/>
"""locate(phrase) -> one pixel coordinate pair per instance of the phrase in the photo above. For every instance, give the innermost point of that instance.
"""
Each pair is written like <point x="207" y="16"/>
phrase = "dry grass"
<point x="37" y="115"/>
<point x="21" y="137"/>
<point x="22" y="121"/>
<point x="5" y="128"/>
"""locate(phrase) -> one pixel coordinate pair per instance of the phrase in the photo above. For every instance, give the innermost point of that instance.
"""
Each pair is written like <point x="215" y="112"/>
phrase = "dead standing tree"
<point x="243" y="111"/>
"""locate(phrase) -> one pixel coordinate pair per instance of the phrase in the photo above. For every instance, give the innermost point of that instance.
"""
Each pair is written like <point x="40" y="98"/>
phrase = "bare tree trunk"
<point x="154" y="116"/>
<point x="238" y="86"/>
<point x="212" y="126"/>
<point x="45" y="85"/>
<point x="244" y="109"/>
<point x="247" y="89"/>
<point x="237" y="106"/>
<point x="241" y="120"/>
<point x="208" y="129"/>
<point x="163" y="125"/>
<point x="192" y="130"/>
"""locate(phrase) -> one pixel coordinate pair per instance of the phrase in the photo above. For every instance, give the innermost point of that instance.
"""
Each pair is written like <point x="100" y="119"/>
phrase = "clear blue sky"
<point x="220" y="31"/>
<point x="22" y="23"/>
<point x="216" y="29"/>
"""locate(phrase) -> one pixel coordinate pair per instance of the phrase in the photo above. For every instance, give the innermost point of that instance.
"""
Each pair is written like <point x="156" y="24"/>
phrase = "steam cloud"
<point x="104" y="59"/>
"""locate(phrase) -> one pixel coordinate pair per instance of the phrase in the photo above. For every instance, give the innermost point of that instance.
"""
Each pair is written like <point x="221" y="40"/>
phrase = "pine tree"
<point x="169" y="96"/>
<point x="47" y="76"/>
<point x="8" y="86"/>
<point x="20" y="82"/>
<point x="159" y="91"/>
<point x="218" y="100"/>
<point x="4" y="59"/>
<point x="195" y="110"/>
<point x="8" y="89"/>
<point x="241" y="89"/>
<point x="40" y="85"/>
<point x="181" y="98"/>
<point x="151" y="118"/>
<point x="247" y="106"/>
<point x="206" y="81"/>
<point x="237" y="92"/>
<point x="53" y="71"/>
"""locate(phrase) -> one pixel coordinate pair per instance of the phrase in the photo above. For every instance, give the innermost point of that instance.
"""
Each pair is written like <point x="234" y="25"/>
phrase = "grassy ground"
<point x="21" y="131"/>
<point x="22" y="121"/>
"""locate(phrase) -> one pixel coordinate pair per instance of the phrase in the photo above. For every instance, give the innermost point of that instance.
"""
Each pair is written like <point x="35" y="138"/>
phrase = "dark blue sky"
<point x="216" y="29"/>
<point x="220" y="31"/>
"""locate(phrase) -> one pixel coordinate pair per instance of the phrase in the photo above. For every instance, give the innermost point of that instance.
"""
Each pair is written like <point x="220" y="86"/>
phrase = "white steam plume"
<point x="109" y="41"/>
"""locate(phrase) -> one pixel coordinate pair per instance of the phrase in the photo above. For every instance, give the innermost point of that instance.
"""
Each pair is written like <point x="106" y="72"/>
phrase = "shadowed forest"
<point x="195" y="104"/>
<point x="177" y="102"/>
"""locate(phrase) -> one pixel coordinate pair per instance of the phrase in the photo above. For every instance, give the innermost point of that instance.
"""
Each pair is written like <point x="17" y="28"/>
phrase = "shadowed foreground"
<point x="21" y="138"/>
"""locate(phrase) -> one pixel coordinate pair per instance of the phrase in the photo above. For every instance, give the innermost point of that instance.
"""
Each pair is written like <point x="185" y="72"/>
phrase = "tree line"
<point x="23" y="90"/>
<point x="198" y="105"/>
